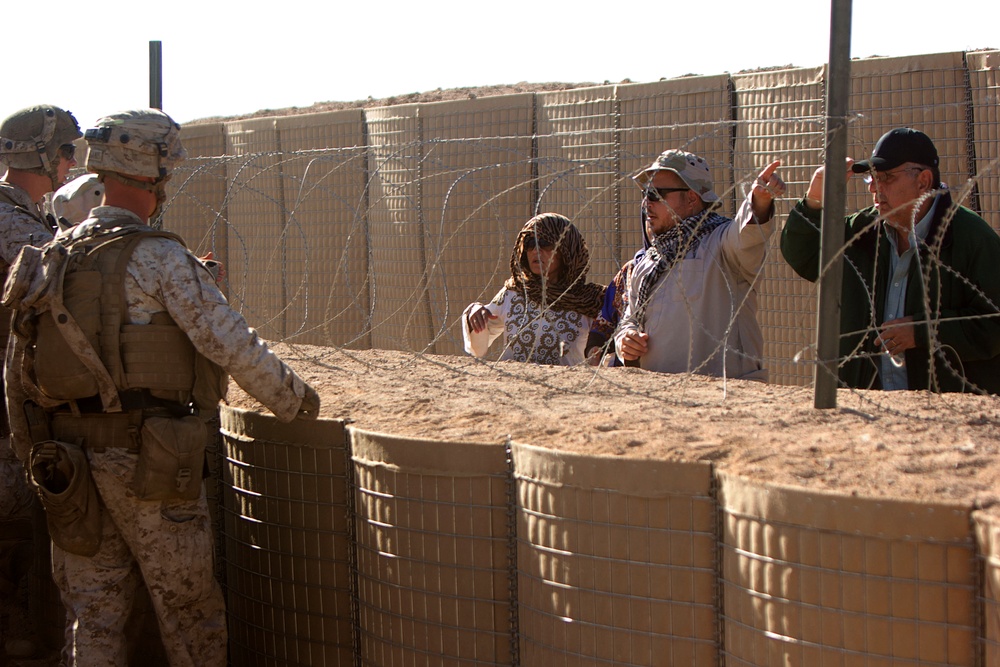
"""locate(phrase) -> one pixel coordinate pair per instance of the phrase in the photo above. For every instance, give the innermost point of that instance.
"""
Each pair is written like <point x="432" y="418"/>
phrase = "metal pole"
<point x="155" y="75"/>
<point x="838" y="92"/>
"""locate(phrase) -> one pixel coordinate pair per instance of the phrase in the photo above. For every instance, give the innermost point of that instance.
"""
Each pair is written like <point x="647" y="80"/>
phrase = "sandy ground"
<point x="877" y="444"/>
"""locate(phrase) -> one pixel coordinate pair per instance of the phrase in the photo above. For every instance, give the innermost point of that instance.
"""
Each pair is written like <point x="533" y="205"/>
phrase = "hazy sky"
<point x="222" y="59"/>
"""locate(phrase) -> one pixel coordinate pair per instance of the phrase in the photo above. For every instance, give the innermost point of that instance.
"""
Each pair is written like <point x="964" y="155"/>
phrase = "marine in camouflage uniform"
<point x="168" y="543"/>
<point x="36" y="144"/>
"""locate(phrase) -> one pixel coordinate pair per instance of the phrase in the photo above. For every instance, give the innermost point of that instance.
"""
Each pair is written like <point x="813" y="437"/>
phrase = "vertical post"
<point x="155" y="75"/>
<point x="838" y="92"/>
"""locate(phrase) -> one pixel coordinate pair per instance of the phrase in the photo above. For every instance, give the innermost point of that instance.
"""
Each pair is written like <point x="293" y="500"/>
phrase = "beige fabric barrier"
<point x="987" y="527"/>
<point x="692" y="114"/>
<point x="815" y="578"/>
<point x="397" y="228"/>
<point x="928" y="92"/>
<point x="432" y="552"/>
<point x="779" y="117"/>
<point x="287" y="541"/>
<point x="433" y="561"/>
<point x="197" y="192"/>
<point x="984" y="79"/>
<point x="576" y="166"/>
<point x="476" y="191"/>
<point x="324" y="232"/>
<point x="257" y="213"/>
<point x="616" y="560"/>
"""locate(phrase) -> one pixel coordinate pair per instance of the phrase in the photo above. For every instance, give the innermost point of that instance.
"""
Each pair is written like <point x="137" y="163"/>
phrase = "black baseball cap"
<point x="897" y="147"/>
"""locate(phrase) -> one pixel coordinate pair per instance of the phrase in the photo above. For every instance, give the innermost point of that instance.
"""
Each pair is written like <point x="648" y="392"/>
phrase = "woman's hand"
<point x="479" y="317"/>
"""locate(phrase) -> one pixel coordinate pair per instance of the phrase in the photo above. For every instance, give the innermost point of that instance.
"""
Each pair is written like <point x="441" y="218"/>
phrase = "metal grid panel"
<point x="477" y="193"/>
<point x="326" y="245"/>
<point x="432" y="551"/>
<point x="397" y="230"/>
<point x="256" y="207"/>
<point x="780" y="116"/>
<point x="287" y="542"/>
<point x="928" y="93"/>
<point x="812" y="579"/>
<point x="987" y="527"/>
<point x="197" y="191"/>
<point x="692" y="114"/>
<point x="984" y="79"/>
<point x="577" y="172"/>
<point x="613" y="567"/>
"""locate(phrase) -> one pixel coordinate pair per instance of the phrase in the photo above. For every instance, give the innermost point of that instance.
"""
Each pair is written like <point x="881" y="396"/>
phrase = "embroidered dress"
<point x="552" y="337"/>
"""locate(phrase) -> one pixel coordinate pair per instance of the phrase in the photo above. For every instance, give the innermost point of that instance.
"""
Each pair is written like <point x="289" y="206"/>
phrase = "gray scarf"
<point x="671" y="245"/>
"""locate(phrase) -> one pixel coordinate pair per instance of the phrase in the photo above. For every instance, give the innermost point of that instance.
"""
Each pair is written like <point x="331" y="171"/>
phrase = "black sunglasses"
<point x="659" y="194"/>
<point x="67" y="151"/>
<point x="530" y="242"/>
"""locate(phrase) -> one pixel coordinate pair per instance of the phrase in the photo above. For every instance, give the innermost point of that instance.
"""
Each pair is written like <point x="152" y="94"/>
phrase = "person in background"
<point x="71" y="203"/>
<point x="920" y="302"/>
<point x="692" y="300"/>
<point x="546" y="308"/>
<point x="36" y="144"/>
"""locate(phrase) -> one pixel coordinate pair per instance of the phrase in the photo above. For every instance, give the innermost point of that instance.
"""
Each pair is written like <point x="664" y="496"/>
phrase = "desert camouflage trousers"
<point x="168" y="544"/>
<point x="16" y="495"/>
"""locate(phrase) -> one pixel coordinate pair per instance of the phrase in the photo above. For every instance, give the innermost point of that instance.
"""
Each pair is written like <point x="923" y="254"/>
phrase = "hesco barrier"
<point x="351" y="547"/>
<point x="374" y="228"/>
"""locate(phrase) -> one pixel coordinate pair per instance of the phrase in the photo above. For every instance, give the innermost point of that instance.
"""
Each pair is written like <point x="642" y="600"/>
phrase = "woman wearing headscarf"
<point x="546" y="308"/>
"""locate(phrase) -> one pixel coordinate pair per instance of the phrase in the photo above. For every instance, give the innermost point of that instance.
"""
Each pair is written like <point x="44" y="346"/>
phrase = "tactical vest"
<point x="84" y="355"/>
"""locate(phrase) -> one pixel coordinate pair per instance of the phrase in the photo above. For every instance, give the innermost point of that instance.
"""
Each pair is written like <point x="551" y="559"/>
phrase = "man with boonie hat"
<point x="692" y="301"/>
<point x="921" y="290"/>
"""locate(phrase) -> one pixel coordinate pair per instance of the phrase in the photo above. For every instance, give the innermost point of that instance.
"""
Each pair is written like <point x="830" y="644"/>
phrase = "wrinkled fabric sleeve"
<point x="745" y="240"/>
<point x="15" y="396"/>
<point x="800" y="241"/>
<point x="972" y="325"/>
<point x="169" y="273"/>
<point x="18" y="230"/>
<point x="478" y="344"/>
<point x="628" y="321"/>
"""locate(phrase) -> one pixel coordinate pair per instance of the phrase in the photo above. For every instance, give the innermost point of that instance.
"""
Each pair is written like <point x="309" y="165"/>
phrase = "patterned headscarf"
<point x="570" y="289"/>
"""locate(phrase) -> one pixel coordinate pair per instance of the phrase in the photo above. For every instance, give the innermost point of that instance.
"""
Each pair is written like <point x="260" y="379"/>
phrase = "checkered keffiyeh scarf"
<point x="570" y="290"/>
<point x="672" y="245"/>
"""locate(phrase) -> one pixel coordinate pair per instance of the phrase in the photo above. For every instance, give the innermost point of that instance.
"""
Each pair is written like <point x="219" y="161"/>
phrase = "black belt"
<point x="132" y="399"/>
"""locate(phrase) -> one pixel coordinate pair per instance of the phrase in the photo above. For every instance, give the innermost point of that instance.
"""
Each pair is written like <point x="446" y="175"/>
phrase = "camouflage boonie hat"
<point x="141" y="142"/>
<point x="692" y="169"/>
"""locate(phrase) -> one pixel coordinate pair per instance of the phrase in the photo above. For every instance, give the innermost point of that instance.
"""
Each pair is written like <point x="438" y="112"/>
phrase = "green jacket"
<point x="960" y="263"/>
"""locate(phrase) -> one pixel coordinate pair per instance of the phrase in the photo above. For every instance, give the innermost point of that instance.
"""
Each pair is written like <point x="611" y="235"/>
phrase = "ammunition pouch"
<point x="61" y="475"/>
<point x="171" y="459"/>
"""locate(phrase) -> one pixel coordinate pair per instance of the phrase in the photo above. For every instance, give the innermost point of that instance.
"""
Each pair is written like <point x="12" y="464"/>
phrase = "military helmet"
<point x="30" y="138"/>
<point x="141" y="142"/>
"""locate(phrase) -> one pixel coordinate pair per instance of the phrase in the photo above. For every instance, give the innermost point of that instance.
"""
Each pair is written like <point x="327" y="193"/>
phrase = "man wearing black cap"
<point x="920" y="305"/>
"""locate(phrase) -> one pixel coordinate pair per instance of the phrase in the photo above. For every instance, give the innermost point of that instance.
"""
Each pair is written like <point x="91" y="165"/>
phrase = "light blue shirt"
<point x="893" y="376"/>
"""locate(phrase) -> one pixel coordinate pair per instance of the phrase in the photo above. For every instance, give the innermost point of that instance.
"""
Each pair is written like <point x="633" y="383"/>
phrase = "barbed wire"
<point x="382" y="242"/>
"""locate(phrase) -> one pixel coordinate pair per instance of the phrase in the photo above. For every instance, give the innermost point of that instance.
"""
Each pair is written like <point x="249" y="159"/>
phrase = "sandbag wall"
<point x="352" y="547"/>
<point x="376" y="227"/>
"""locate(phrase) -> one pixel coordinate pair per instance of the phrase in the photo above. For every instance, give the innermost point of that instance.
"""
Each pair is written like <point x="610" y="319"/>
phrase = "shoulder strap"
<point x="113" y="301"/>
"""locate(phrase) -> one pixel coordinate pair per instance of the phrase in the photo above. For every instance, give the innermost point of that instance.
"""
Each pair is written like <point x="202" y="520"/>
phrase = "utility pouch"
<point x="171" y="458"/>
<point x="61" y="476"/>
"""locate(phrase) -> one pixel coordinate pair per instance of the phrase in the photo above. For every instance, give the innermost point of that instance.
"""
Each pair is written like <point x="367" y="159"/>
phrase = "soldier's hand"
<point x="310" y="405"/>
